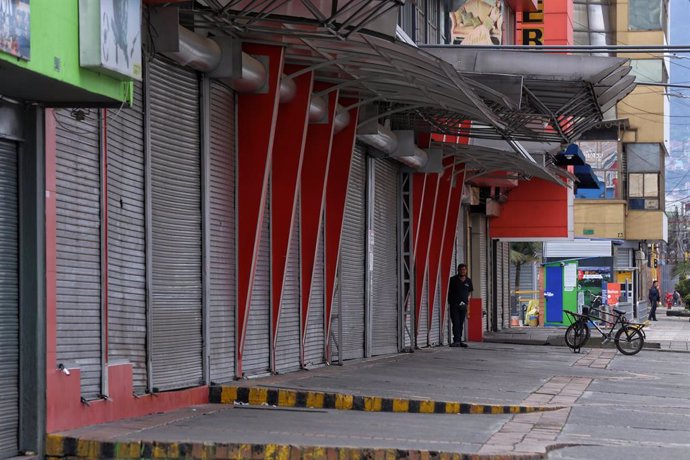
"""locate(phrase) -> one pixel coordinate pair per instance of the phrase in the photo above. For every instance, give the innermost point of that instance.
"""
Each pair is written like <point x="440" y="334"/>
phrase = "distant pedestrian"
<point x="653" y="300"/>
<point x="676" y="298"/>
<point x="459" y="293"/>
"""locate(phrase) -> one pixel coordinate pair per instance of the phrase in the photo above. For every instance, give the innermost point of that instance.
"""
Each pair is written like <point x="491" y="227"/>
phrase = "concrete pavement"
<point x="607" y="406"/>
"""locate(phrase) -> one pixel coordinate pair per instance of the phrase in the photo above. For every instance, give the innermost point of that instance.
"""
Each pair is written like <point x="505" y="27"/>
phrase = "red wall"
<point x="535" y="209"/>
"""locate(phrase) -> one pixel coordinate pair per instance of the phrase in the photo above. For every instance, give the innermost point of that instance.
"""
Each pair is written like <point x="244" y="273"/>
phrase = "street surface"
<point x="611" y="406"/>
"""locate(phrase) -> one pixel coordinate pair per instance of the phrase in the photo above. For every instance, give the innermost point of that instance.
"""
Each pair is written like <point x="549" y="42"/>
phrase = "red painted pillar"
<point x="336" y="193"/>
<point x="438" y="230"/>
<point x="421" y="251"/>
<point x="256" y="120"/>
<point x="288" y="151"/>
<point x="454" y="207"/>
<point x="313" y="189"/>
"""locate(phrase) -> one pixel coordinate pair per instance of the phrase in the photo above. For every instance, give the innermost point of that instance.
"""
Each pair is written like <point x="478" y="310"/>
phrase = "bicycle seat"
<point x="620" y="312"/>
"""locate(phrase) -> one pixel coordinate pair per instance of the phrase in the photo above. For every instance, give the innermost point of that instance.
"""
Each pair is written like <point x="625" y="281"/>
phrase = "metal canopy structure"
<point x="508" y="96"/>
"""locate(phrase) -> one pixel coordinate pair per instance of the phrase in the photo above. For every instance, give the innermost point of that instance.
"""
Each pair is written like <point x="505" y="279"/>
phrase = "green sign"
<point x="588" y="231"/>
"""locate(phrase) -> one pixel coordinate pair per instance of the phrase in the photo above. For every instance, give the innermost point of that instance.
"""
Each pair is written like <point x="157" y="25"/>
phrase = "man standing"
<point x="653" y="300"/>
<point x="459" y="293"/>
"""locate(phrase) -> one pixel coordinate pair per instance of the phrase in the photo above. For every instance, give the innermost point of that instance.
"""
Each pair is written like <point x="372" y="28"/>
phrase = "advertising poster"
<point x="477" y="22"/>
<point x="121" y="37"/>
<point x="15" y="37"/>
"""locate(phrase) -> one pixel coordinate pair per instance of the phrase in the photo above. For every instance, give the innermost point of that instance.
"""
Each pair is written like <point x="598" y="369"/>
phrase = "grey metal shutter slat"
<point x="79" y="247"/>
<point x="176" y="227"/>
<point x="287" y="342"/>
<point x="222" y="303"/>
<point x="483" y="265"/>
<point x="422" y="337"/>
<point x="352" y="253"/>
<point x="127" y="239"/>
<point x="314" y="343"/>
<point x="384" y="293"/>
<point x="435" y="331"/>
<point x="623" y="258"/>
<point x="255" y="360"/>
<point x="9" y="301"/>
<point x="499" y="284"/>
<point x="505" y="287"/>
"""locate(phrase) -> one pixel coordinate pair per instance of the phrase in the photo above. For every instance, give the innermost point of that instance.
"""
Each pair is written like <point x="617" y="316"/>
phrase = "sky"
<point x="678" y="161"/>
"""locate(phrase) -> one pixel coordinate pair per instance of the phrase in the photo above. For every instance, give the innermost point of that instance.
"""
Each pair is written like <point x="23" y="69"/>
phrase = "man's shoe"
<point x="463" y="344"/>
<point x="456" y="344"/>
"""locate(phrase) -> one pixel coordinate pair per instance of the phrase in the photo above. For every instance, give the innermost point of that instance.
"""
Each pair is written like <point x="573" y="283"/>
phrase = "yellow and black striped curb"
<point x="342" y="401"/>
<point x="63" y="447"/>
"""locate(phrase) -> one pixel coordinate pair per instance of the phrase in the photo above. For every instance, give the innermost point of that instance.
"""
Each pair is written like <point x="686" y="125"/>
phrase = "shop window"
<point x="643" y="190"/>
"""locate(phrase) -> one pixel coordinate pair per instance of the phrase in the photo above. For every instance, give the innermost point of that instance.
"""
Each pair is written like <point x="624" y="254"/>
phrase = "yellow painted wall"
<point x="644" y="108"/>
<point x="644" y="225"/>
<point x="602" y="218"/>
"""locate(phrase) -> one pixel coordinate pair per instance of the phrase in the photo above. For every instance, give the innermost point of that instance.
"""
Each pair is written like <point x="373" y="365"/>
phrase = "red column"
<point x="421" y="251"/>
<point x="256" y="120"/>
<point x="438" y="231"/>
<point x="336" y="193"/>
<point x="288" y="151"/>
<point x="313" y="189"/>
<point x="454" y="206"/>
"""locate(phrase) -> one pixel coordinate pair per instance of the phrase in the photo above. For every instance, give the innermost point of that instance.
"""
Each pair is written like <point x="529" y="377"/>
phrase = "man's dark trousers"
<point x="652" y="311"/>
<point x="457" y="318"/>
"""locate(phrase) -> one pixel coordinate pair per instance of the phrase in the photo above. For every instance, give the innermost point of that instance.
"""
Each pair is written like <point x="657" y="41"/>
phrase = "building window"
<point x="643" y="185"/>
<point x="648" y="70"/>
<point x="646" y="15"/>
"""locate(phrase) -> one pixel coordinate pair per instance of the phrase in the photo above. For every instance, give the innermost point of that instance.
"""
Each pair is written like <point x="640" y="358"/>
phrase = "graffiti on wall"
<point x="15" y="37"/>
<point x="478" y="22"/>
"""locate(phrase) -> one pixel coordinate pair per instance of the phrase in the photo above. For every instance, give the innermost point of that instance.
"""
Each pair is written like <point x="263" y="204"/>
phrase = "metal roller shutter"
<point x="222" y="302"/>
<point x="423" y="336"/>
<point x="435" y="331"/>
<point x="287" y="342"/>
<point x="484" y="268"/>
<point x="176" y="315"/>
<point x="314" y="343"/>
<point x="9" y="301"/>
<point x="79" y="247"/>
<point x="352" y="253"/>
<point x="127" y="239"/>
<point x="498" y="269"/>
<point x="384" y="292"/>
<point x="623" y="258"/>
<point x="505" y="287"/>
<point x="255" y="360"/>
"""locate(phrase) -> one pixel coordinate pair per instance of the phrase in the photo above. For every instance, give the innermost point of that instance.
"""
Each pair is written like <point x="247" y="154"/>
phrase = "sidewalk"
<point x="669" y="333"/>
<point x="491" y="401"/>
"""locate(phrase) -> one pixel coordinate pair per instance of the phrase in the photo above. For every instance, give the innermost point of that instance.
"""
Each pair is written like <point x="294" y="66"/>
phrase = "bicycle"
<point x="629" y="337"/>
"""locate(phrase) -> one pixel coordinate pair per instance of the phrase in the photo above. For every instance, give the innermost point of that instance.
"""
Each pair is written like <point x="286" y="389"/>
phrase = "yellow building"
<point x="627" y="151"/>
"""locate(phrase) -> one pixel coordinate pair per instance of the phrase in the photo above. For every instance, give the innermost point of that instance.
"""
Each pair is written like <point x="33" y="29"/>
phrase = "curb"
<point x="342" y="401"/>
<point x="62" y="447"/>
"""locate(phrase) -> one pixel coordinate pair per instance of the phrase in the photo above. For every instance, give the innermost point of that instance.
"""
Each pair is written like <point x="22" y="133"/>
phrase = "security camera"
<point x="63" y="369"/>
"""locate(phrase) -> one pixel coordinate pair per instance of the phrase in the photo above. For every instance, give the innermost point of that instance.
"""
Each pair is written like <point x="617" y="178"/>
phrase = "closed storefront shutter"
<point x="127" y="239"/>
<point x="435" y="331"/>
<point x="423" y="336"/>
<point x="222" y="303"/>
<point x="176" y="227"/>
<point x="484" y="267"/>
<point x="384" y="292"/>
<point x="79" y="247"/>
<point x="498" y="269"/>
<point x="287" y="343"/>
<point x="623" y="258"/>
<point x="256" y="345"/>
<point x="9" y="301"/>
<point x="505" y="286"/>
<point x="314" y="344"/>
<point x="352" y="253"/>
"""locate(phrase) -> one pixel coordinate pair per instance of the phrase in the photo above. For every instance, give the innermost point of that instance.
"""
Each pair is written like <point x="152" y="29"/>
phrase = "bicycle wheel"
<point x="577" y="335"/>
<point x="629" y="340"/>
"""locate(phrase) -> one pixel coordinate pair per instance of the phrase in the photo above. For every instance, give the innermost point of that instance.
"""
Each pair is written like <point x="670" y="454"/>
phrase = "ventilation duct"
<point x="386" y="141"/>
<point x="317" y="108"/>
<point x="288" y="89"/>
<point x="342" y="118"/>
<point x="205" y="55"/>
